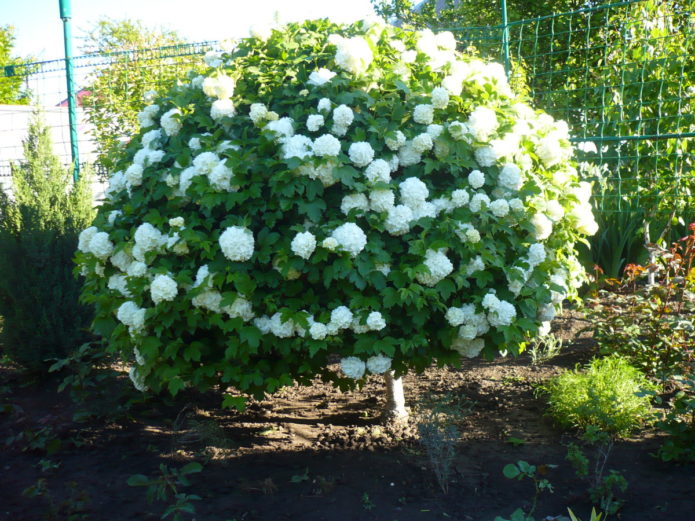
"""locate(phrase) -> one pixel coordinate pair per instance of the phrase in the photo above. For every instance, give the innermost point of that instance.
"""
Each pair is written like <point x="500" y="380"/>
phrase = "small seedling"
<point x="367" y="503"/>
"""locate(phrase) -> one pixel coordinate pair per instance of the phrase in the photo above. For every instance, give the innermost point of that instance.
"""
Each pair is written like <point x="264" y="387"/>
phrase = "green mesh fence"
<point x="620" y="74"/>
<point x="109" y="89"/>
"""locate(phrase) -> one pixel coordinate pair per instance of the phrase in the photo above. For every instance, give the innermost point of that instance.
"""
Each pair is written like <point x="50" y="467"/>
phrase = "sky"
<point x="39" y="29"/>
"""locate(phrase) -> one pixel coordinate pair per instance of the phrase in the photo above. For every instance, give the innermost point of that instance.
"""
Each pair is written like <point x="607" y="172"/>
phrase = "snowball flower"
<point x="459" y="198"/>
<point x="479" y="202"/>
<point x="350" y="237"/>
<point x="555" y="210"/>
<point x="361" y="153"/>
<point x="499" y="207"/>
<point x="240" y="308"/>
<point x="375" y="321"/>
<point x="324" y="105"/>
<point x="146" y="117"/>
<point x="280" y="328"/>
<point x="440" y="97"/>
<point x="474" y="265"/>
<point x="422" y="143"/>
<point x="326" y="146"/>
<point x="321" y="76"/>
<point x="423" y="114"/>
<point x="136" y="269"/>
<point x="352" y="201"/>
<point x="407" y="155"/>
<point x="100" y="245"/>
<point x="378" y="171"/>
<point x="476" y="179"/>
<point x="439" y="267"/>
<point x="398" y="220"/>
<point x="297" y="146"/>
<point x="413" y="192"/>
<point x="85" y="238"/>
<point x="536" y="254"/>
<point x="314" y="122"/>
<point x="303" y="244"/>
<point x="163" y="288"/>
<point x="353" y="55"/>
<point x="381" y="200"/>
<point x="352" y="367"/>
<point x="396" y="142"/>
<point x="133" y="175"/>
<point x="330" y="244"/>
<point x="378" y="364"/>
<point x="176" y="222"/>
<point x="510" y="177"/>
<point x="341" y="317"/>
<point x="220" y="86"/>
<point x="468" y="348"/>
<point x="318" y="331"/>
<point x="482" y="122"/>
<point x="283" y="127"/>
<point x="542" y="226"/>
<point x="258" y="113"/>
<point x="170" y="123"/>
<point x="131" y="315"/>
<point x="237" y="243"/>
<point x="455" y="316"/>
<point x="147" y="237"/>
<point x="222" y="108"/>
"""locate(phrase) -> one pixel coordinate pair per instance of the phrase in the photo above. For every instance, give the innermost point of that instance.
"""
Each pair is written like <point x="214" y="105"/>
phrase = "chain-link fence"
<point x="620" y="74"/>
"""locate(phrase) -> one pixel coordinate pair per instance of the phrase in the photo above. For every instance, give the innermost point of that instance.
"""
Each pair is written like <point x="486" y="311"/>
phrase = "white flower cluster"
<point x="237" y="243"/>
<point x="163" y="288"/>
<point x="438" y="266"/>
<point x="353" y="55"/>
<point x="350" y="238"/>
<point x="132" y="316"/>
<point x="355" y="368"/>
<point x="303" y="244"/>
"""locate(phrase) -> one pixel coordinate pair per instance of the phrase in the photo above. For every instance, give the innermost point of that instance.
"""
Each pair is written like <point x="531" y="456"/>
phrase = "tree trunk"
<point x="395" y="400"/>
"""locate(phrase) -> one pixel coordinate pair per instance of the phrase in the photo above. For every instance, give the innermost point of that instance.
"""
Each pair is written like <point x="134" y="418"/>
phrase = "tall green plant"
<point x="39" y="224"/>
<point x="116" y="90"/>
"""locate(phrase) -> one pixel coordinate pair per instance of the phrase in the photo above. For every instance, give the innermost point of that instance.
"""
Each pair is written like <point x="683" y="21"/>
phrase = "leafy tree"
<point x="38" y="238"/>
<point x="11" y="91"/>
<point x="137" y="59"/>
<point x="467" y="13"/>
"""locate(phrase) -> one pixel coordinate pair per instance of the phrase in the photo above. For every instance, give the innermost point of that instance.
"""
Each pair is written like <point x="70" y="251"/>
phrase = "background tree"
<point x="39" y="225"/>
<point x="11" y="91"/>
<point x="137" y="59"/>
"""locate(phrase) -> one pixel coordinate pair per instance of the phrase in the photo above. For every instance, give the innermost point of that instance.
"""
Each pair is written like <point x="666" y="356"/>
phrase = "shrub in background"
<point x="608" y="394"/>
<point x="39" y="226"/>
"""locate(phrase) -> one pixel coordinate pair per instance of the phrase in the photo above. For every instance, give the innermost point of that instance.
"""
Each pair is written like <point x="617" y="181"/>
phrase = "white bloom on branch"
<point x="353" y="367"/>
<point x="321" y="76"/>
<point x="148" y="238"/>
<point x="303" y="244"/>
<point x="397" y="142"/>
<point x="361" y="153"/>
<point x="476" y="179"/>
<point x="413" y="192"/>
<point x="438" y="265"/>
<point x="237" y="243"/>
<point x="220" y="86"/>
<point x="440" y="97"/>
<point x="423" y="114"/>
<point x="326" y="146"/>
<point x="378" y="171"/>
<point x="354" y="201"/>
<point x="163" y="288"/>
<point x="378" y="364"/>
<point x="398" y="220"/>
<point x="375" y="321"/>
<point x="353" y="55"/>
<point x="258" y="113"/>
<point x="381" y="200"/>
<point x="297" y="146"/>
<point x="350" y="237"/>
<point x="314" y="122"/>
<point x="222" y="108"/>
<point x="170" y="122"/>
<point x="542" y="226"/>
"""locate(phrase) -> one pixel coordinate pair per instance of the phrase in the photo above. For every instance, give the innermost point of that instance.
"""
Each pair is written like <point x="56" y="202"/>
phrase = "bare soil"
<point x="316" y="454"/>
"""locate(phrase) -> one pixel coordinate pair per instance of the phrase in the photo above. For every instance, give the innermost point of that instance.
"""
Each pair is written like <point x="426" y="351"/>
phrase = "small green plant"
<point x="165" y="487"/>
<point x="679" y="423"/>
<point x="437" y="416"/>
<point x="298" y="478"/>
<point x="544" y="348"/>
<point x="594" y="515"/>
<point x="73" y="507"/>
<point x="523" y="470"/>
<point x="602" y="487"/>
<point x="43" y="440"/>
<point x="367" y="503"/>
<point x="608" y="394"/>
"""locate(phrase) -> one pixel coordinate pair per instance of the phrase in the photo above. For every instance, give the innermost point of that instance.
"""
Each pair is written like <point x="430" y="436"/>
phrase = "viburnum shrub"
<point x="322" y="190"/>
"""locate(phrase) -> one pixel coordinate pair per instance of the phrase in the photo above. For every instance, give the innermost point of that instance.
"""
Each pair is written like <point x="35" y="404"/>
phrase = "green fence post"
<point x="505" y="36"/>
<point x="65" y="15"/>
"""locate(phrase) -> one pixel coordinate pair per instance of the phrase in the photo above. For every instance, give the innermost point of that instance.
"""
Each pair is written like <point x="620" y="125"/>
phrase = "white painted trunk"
<point x="395" y="399"/>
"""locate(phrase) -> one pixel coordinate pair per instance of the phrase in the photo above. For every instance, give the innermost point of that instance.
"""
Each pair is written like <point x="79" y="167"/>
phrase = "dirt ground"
<point x="317" y="454"/>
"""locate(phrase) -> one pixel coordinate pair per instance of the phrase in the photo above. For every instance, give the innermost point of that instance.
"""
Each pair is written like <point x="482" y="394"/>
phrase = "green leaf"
<point x="511" y="471"/>
<point x="191" y="468"/>
<point x="234" y="402"/>
<point x="138" y="480"/>
<point x="175" y="385"/>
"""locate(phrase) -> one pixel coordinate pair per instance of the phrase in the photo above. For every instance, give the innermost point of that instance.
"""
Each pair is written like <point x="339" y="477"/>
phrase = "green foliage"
<point x="198" y="337"/>
<point x="165" y="487"/>
<point x="652" y="325"/>
<point x="604" y="395"/>
<point x="116" y="90"/>
<point x="544" y="348"/>
<point x="11" y="85"/>
<point x="602" y="488"/>
<point x="449" y="14"/>
<point x="39" y="226"/>
<point x="679" y="424"/>
<point x="523" y="470"/>
<point x="594" y="515"/>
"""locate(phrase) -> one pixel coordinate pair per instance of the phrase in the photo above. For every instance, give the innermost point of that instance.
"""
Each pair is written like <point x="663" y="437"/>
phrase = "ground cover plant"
<point x="354" y="191"/>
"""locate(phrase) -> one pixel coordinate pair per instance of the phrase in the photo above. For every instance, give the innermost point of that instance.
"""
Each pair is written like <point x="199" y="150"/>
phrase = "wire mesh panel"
<point x="110" y="91"/>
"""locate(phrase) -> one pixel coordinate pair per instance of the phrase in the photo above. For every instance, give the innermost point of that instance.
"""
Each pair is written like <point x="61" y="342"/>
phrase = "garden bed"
<point x="315" y="453"/>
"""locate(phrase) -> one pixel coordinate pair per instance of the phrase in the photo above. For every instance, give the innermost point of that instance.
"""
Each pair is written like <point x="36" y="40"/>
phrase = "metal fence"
<point x="620" y="74"/>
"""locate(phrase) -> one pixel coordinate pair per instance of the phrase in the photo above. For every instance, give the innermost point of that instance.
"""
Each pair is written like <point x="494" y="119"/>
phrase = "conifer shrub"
<point x="39" y="225"/>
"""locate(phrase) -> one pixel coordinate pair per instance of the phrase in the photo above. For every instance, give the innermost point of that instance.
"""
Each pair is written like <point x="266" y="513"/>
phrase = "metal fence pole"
<point x="505" y="36"/>
<point x="65" y="15"/>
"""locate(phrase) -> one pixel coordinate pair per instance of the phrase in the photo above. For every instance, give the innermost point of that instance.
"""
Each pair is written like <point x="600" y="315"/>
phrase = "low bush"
<point x="608" y="395"/>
